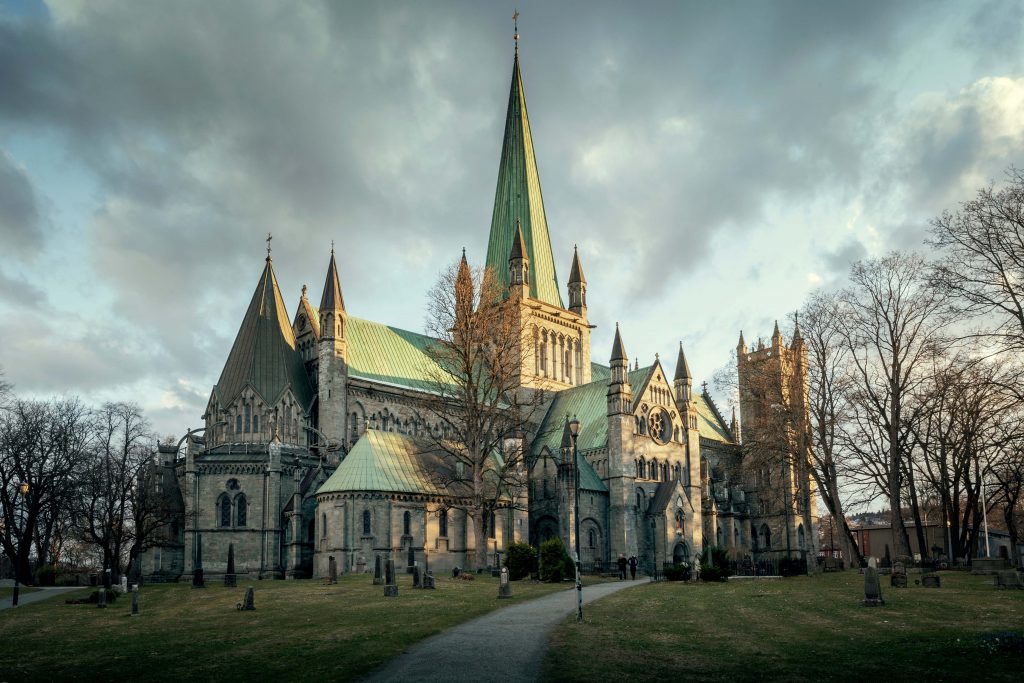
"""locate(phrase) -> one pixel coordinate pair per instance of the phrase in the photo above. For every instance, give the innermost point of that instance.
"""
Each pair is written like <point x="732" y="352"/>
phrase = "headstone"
<point x="415" y="576"/>
<point x="101" y="600"/>
<point x="931" y="580"/>
<point x="248" y="603"/>
<point x="455" y="572"/>
<point x="135" y="600"/>
<point x="428" y="580"/>
<point x="230" y="580"/>
<point x="504" y="587"/>
<point x="106" y="579"/>
<point x="872" y="588"/>
<point x="197" y="574"/>
<point x="873" y="562"/>
<point x="899" y="575"/>
<point x="390" y="588"/>
<point x="1008" y="579"/>
<point x="361" y="566"/>
<point x="378" y="572"/>
<point x="124" y="584"/>
<point x="332" y="570"/>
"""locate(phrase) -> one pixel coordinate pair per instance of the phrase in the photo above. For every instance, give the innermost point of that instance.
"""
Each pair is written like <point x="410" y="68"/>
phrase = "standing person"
<point x="632" y="567"/>
<point x="622" y="567"/>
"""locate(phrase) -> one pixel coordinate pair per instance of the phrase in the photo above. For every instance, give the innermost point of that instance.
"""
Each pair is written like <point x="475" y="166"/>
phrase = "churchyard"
<point x="801" y="628"/>
<point x="299" y="629"/>
<point x="7" y="591"/>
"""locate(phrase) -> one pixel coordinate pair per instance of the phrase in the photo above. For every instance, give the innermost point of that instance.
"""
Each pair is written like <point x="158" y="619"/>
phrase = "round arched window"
<point x="660" y="425"/>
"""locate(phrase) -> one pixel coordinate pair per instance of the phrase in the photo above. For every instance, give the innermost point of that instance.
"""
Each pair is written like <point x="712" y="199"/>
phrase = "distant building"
<point x="311" y="447"/>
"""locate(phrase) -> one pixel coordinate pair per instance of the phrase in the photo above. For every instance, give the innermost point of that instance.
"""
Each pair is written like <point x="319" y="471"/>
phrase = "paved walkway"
<point x="41" y="594"/>
<point x="507" y="644"/>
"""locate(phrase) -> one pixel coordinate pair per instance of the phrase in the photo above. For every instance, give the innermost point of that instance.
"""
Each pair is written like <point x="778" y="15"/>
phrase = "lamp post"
<point x="574" y="431"/>
<point x="984" y="511"/>
<point x="949" y="540"/>
<point x="23" y="490"/>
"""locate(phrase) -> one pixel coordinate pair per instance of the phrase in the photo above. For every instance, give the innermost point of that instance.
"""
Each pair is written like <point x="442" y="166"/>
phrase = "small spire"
<point x="332" y="246"/>
<point x="618" y="348"/>
<point x="518" y="244"/>
<point x="576" y="272"/>
<point x="682" y="368"/>
<point x="566" y="434"/>
<point x="741" y="343"/>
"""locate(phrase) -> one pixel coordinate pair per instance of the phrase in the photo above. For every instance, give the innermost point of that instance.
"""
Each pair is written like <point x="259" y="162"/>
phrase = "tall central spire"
<point x="518" y="198"/>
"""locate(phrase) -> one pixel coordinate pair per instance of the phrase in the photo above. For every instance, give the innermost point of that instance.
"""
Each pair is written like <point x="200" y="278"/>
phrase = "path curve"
<point x="42" y="594"/>
<point x="507" y="644"/>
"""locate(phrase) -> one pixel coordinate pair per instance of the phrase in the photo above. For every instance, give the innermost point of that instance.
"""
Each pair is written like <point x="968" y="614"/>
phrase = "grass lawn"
<point x="806" y="628"/>
<point x="8" y="591"/>
<point x="300" y="630"/>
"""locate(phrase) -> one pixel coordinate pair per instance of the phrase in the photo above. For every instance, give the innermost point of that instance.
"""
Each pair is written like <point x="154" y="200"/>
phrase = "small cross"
<point x="515" y="22"/>
<point x="269" y="237"/>
<point x="332" y="246"/>
<point x="704" y="386"/>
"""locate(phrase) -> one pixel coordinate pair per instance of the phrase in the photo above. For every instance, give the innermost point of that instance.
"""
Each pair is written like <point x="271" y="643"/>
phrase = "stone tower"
<point x="621" y="480"/>
<point x="332" y="367"/>
<point x="683" y="386"/>
<point x="775" y="431"/>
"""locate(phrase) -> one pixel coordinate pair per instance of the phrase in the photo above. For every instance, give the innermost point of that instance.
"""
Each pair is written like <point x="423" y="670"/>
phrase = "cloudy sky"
<point x="715" y="162"/>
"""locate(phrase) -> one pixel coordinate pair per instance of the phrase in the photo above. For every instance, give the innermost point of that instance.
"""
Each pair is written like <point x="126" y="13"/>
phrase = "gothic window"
<point x="654" y="470"/>
<point x="442" y="523"/>
<point x="366" y="522"/>
<point x="241" y="510"/>
<point x="407" y="524"/>
<point x="679" y="520"/>
<point x="490" y="524"/>
<point x="664" y="472"/>
<point x="248" y="417"/>
<point x="355" y="426"/>
<point x="736" y="540"/>
<point x="323" y="525"/>
<point x="547" y="493"/>
<point x="256" y="423"/>
<point x="643" y="426"/>
<point x="238" y="424"/>
<point x="225" y="511"/>
<point x="753" y="536"/>
<point x="592" y="537"/>
<point x="766" y="537"/>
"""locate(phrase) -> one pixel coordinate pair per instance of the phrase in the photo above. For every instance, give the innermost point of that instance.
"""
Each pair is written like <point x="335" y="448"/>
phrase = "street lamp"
<point x="574" y="431"/>
<point x="23" y="490"/>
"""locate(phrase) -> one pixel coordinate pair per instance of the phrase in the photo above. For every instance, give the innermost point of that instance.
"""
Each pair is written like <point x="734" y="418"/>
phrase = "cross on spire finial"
<point x="269" y="237"/>
<point x="515" y="23"/>
<point x="704" y="387"/>
<point x="332" y="246"/>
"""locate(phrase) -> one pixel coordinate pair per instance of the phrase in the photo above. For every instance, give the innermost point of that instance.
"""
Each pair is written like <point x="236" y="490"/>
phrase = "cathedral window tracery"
<point x="366" y="523"/>
<point x="442" y="523"/>
<point x="241" y="511"/>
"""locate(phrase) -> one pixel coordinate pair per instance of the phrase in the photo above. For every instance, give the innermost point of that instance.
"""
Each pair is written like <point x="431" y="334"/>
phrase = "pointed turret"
<point x="682" y="367"/>
<point x="463" y="289"/>
<point x="683" y="381"/>
<point x="620" y="394"/>
<point x="519" y="266"/>
<point x="577" y="286"/>
<point x="734" y="426"/>
<point x="798" y="339"/>
<point x="332" y="364"/>
<point x="776" y="336"/>
<point x="741" y="346"/>
<point x="263" y="356"/>
<point x="518" y="202"/>
<point x="332" y="304"/>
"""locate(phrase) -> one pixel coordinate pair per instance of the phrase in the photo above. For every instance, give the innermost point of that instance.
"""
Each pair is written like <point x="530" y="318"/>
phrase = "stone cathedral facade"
<point x="312" y="446"/>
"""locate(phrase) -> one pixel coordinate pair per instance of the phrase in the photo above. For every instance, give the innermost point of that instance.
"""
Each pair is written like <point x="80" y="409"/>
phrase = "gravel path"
<point x="41" y="594"/>
<point x="507" y="644"/>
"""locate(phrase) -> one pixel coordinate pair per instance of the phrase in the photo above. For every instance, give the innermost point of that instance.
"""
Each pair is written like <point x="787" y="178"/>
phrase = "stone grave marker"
<point x="390" y="588"/>
<point x="135" y="600"/>
<point x="1008" y="579"/>
<point x="230" y="580"/>
<point x="931" y="580"/>
<point x="101" y="601"/>
<point x="899" y="575"/>
<point x="378" y="572"/>
<point x="361" y="566"/>
<point x="416" y="576"/>
<point x="504" y="587"/>
<point x="124" y="584"/>
<point x="872" y="588"/>
<point x="197" y="575"/>
<point x="332" y="570"/>
<point x="248" y="602"/>
<point x="428" y="580"/>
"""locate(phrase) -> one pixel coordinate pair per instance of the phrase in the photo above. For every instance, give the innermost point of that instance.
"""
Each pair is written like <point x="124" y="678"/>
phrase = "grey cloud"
<point x="841" y="258"/>
<point x="20" y="216"/>
<point x="19" y="292"/>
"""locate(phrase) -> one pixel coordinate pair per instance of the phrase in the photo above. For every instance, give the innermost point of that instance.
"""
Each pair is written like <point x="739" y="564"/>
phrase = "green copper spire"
<point x="518" y="198"/>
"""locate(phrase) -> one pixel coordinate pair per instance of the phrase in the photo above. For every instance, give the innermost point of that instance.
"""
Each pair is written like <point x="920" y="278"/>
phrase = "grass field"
<point x="806" y="628"/>
<point x="300" y="630"/>
<point x="7" y="591"/>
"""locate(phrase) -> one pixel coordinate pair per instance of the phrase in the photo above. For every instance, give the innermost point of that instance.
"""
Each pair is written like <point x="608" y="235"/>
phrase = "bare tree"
<point x="982" y="263"/>
<point x="478" y="355"/>
<point x="42" y="445"/>
<point x="893" y="327"/>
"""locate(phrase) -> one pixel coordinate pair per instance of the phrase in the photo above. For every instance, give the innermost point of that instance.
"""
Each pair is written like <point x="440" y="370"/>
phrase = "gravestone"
<point x="101" y="601"/>
<point x="416" y="576"/>
<point x="1008" y="579"/>
<point x="378" y="572"/>
<point x="496" y="567"/>
<point x="428" y="580"/>
<point x="872" y="588"/>
<point x="931" y="580"/>
<point x="361" y="566"/>
<point x="332" y="570"/>
<point x="248" y="602"/>
<point x="124" y="584"/>
<point x="135" y="600"/>
<point x="390" y="588"/>
<point x="899" y="575"/>
<point x="455" y="572"/>
<point x="504" y="587"/>
<point x="197" y="574"/>
<point x="230" y="580"/>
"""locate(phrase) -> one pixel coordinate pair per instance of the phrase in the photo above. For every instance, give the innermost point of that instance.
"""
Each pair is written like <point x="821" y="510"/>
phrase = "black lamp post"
<point x="574" y="431"/>
<point x="23" y="490"/>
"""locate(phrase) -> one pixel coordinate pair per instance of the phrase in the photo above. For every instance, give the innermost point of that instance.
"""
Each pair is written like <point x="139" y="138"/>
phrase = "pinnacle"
<point x="618" y="348"/>
<point x="576" y="274"/>
<point x="682" y="368"/>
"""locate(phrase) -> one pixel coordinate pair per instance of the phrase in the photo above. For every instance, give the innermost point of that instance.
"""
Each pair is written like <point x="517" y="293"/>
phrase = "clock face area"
<point x="660" y="425"/>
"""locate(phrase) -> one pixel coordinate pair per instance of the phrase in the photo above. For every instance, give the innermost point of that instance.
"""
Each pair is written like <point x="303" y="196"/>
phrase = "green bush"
<point x="519" y="559"/>
<point x="677" y="572"/>
<point x="714" y="564"/>
<point x="46" y="575"/>
<point x="555" y="563"/>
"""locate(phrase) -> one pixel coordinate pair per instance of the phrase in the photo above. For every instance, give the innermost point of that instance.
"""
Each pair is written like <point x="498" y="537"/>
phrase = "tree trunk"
<point x="480" y="534"/>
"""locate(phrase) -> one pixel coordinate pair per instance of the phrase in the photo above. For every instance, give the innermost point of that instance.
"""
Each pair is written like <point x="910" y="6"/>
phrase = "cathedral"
<point x="312" y="445"/>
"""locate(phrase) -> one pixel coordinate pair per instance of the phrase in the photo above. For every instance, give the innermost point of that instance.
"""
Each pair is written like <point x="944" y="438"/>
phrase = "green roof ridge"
<point x="518" y="201"/>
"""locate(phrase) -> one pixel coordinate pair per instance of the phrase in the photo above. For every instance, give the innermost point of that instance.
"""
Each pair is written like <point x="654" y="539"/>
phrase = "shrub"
<point x="714" y="564"/>
<point x="519" y="558"/>
<point x="555" y="563"/>
<point x="677" y="572"/>
<point x="46" y="575"/>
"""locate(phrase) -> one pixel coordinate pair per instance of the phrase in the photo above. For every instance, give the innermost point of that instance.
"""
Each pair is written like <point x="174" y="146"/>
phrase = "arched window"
<point x="654" y="470"/>
<point x="238" y="424"/>
<point x="248" y="417"/>
<point x="225" y="511"/>
<point x="718" y="537"/>
<point x="753" y="536"/>
<point x="366" y="522"/>
<point x="442" y="523"/>
<point x="241" y="510"/>
<point x="736" y="540"/>
<point x="766" y="537"/>
<point x="679" y="520"/>
<point x="592" y="537"/>
<point x="407" y="523"/>
<point x="489" y="524"/>
<point x="643" y="469"/>
<point x="323" y="525"/>
<point x="256" y="422"/>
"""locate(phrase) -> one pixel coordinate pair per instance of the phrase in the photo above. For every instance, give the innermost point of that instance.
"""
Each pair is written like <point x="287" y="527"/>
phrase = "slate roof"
<point x="382" y="461"/>
<point x="518" y="198"/>
<point x="708" y="423"/>
<point x="263" y="355"/>
<point x="390" y="355"/>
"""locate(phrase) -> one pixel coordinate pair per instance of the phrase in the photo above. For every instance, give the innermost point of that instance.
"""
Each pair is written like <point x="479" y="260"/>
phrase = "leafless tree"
<point x="42" y="445"/>
<point x="478" y="355"/>
<point x="893" y="327"/>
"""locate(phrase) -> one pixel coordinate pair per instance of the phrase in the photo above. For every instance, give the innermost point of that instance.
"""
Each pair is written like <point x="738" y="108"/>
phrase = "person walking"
<point x="622" y="567"/>
<point x="632" y="567"/>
